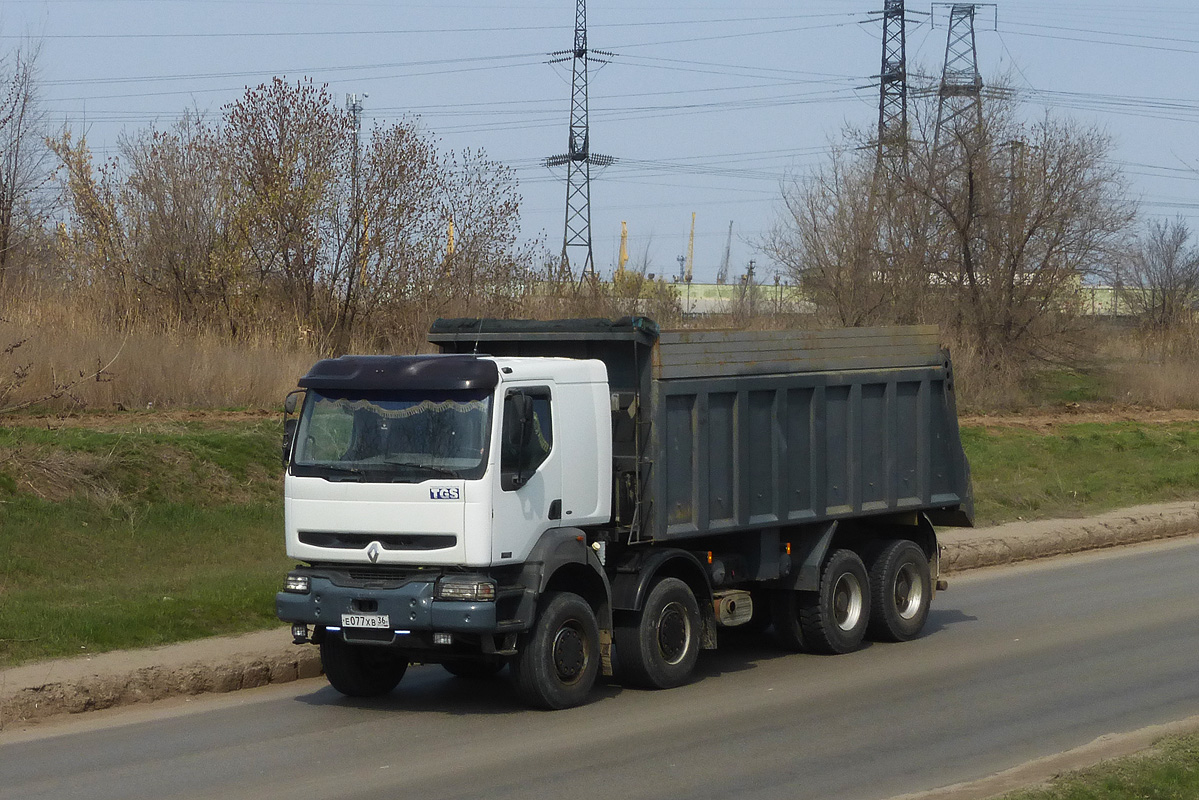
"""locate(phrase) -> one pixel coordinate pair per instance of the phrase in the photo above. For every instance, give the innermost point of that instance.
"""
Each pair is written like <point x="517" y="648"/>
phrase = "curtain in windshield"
<point x="388" y="436"/>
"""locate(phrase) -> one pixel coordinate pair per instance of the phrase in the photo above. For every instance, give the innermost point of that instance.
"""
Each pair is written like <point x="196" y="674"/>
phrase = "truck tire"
<point x="358" y="670"/>
<point x="900" y="592"/>
<point x="660" y="648"/>
<point x="784" y="610"/>
<point x="473" y="670"/>
<point x="834" y="618"/>
<point x="559" y="659"/>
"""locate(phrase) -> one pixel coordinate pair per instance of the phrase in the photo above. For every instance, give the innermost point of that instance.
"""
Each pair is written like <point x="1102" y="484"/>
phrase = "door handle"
<point x="556" y="509"/>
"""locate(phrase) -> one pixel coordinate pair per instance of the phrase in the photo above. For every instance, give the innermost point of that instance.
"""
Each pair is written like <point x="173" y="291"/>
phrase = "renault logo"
<point x="372" y="552"/>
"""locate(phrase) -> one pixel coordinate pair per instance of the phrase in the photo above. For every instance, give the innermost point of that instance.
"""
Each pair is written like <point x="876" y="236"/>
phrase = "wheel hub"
<point x="909" y="593"/>
<point x="847" y="602"/>
<point x="673" y="633"/>
<point x="570" y="654"/>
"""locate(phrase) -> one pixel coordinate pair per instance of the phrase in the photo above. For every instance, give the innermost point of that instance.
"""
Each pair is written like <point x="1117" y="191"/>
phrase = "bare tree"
<point x="826" y="241"/>
<point x="284" y="142"/>
<point x="402" y="232"/>
<point x="276" y="207"/>
<point x="95" y="246"/>
<point x="489" y="266"/>
<point x="1159" y="280"/>
<point x="179" y="215"/>
<point x="989" y="233"/>
<point x="1031" y="209"/>
<point x="24" y="158"/>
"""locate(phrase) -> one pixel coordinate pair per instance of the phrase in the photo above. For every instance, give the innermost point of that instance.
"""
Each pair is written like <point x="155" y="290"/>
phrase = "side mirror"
<point x="290" y="402"/>
<point x="289" y="425"/>
<point x="289" y="436"/>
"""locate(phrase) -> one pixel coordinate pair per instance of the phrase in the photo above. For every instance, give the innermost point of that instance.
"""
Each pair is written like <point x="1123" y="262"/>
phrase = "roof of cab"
<point x="444" y="372"/>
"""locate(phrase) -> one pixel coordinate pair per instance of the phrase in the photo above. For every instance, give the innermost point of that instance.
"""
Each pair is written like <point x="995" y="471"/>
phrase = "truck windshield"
<point x="393" y="436"/>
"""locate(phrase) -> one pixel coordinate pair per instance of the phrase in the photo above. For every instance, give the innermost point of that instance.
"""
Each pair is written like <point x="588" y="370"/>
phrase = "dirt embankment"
<point x="1045" y="421"/>
<point x="150" y="418"/>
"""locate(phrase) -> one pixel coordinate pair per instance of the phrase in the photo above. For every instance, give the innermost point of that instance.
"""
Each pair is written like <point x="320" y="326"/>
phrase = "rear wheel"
<point x="900" y="592"/>
<point x="659" y="649"/>
<point x="834" y="618"/>
<point x="359" y="670"/>
<point x="559" y="659"/>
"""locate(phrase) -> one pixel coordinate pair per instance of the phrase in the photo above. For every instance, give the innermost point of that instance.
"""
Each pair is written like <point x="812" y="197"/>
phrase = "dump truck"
<point x="575" y="497"/>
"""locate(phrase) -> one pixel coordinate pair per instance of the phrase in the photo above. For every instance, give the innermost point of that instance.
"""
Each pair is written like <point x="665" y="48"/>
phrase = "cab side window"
<point x="528" y="435"/>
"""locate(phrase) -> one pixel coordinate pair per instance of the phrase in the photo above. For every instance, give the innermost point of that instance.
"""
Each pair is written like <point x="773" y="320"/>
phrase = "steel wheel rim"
<point x="847" y="602"/>
<point x="569" y="654"/>
<point x="674" y="633"/>
<point x="909" y="592"/>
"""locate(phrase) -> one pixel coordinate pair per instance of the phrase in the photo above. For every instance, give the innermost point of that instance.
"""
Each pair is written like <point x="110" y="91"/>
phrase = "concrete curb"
<point x="223" y="664"/>
<point x="70" y="686"/>
<point x="965" y="549"/>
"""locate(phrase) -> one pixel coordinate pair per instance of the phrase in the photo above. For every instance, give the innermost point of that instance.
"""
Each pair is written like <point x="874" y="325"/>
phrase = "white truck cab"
<point x="437" y="475"/>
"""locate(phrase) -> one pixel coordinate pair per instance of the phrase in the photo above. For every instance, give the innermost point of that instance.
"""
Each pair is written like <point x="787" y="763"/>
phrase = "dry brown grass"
<point x="153" y="362"/>
<point x="58" y="475"/>
<point x="1154" y="368"/>
<point x="983" y="385"/>
<point x="67" y="345"/>
<point x="1173" y="383"/>
<point x="158" y="365"/>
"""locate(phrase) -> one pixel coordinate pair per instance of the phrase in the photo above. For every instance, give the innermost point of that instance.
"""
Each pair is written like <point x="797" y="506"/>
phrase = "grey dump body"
<point x="720" y="432"/>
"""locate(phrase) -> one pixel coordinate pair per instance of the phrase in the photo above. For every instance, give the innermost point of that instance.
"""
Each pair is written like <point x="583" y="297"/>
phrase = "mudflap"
<point x="606" y="652"/>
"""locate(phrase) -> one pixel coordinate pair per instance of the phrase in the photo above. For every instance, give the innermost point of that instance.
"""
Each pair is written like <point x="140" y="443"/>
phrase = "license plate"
<point x="365" y="621"/>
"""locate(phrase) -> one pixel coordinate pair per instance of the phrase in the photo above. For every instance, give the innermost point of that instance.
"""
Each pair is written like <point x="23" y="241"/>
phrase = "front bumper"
<point x="410" y="608"/>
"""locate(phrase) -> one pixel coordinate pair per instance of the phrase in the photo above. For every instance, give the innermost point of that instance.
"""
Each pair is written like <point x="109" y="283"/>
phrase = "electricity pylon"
<point x="893" y="84"/>
<point x="959" y="98"/>
<point x="578" y="158"/>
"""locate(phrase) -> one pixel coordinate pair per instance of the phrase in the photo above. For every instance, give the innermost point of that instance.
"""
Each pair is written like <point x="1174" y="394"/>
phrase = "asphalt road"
<point x="1017" y="663"/>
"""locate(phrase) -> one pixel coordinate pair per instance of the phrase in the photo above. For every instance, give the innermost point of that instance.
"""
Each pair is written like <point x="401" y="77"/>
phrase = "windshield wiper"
<point x="449" y="473"/>
<point x="340" y="473"/>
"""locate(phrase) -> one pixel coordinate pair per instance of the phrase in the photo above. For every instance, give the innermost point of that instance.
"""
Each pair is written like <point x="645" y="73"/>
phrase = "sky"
<point x="708" y="107"/>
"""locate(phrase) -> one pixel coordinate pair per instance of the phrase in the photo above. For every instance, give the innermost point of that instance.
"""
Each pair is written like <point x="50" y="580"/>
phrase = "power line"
<point x="490" y="29"/>
<point x="293" y="70"/>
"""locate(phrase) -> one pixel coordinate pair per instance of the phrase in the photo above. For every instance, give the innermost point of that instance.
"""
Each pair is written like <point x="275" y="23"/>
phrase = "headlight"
<point x="465" y="588"/>
<point x="296" y="583"/>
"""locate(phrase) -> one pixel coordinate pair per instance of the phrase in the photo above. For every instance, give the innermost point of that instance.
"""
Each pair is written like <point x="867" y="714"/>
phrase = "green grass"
<point x="1062" y="386"/>
<point x="1169" y="772"/>
<point x="135" y="537"/>
<point x="148" y="463"/>
<point x="146" y="531"/>
<point x="1080" y="469"/>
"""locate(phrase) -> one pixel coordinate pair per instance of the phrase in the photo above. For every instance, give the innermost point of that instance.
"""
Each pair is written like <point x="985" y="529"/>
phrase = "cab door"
<point x="528" y="501"/>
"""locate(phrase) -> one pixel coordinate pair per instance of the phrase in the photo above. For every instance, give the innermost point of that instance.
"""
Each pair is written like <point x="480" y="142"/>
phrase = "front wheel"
<point x="658" y="650"/>
<point x="900" y="590"/>
<point x="360" y="670"/>
<point x="834" y="618"/>
<point x="559" y="659"/>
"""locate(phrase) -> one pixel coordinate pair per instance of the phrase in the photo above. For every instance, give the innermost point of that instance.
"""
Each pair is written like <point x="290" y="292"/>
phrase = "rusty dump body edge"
<point x="729" y="431"/>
